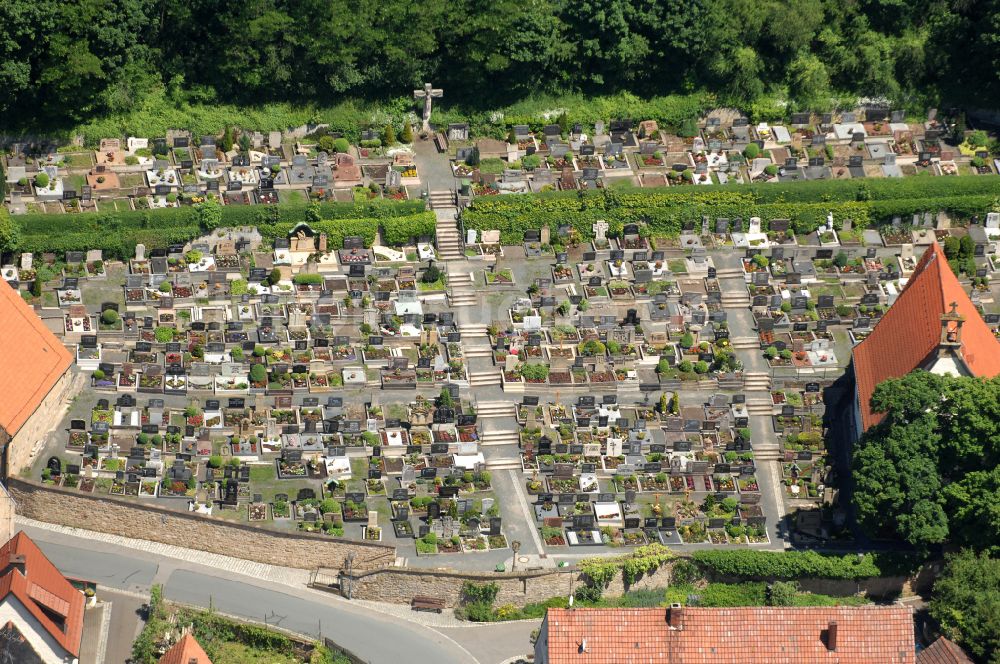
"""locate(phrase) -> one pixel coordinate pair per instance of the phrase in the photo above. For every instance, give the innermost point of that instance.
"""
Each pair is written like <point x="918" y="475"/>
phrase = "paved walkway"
<point x="434" y="168"/>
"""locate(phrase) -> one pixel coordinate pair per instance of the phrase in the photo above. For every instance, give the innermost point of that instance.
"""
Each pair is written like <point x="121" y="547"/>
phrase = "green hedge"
<point x="117" y="233"/>
<point x="806" y="204"/>
<point x="748" y="564"/>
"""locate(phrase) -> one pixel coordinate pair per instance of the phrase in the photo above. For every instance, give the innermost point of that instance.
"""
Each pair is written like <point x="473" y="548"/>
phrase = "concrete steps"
<point x="484" y="378"/>
<point x="728" y="273"/>
<point x="767" y="453"/>
<point x="504" y="464"/>
<point x="442" y="198"/>
<point x="494" y="438"/>
<point x="760" y="408"/>
<point x="488" y="409"/>
<point x="745" y="343"/>
<point x="472" y="352"/>
<point x="757" y="381"/>
<point x="735" y="300"/>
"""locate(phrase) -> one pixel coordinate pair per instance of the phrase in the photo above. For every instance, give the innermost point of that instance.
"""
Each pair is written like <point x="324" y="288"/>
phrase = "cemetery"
<point x="310" y="339"/>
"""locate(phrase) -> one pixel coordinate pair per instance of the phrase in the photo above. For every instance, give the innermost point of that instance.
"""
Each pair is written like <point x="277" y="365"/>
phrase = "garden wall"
<point x="114" y="516"/>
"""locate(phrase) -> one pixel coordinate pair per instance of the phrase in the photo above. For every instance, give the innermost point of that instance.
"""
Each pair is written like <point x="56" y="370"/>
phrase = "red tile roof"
<point x="32" y="360"/>
<point x="943" y="651"/>
<point x="911" y="330"/>
<point x="785" y="635"/>
<point x="185" y="651"/>
<point x="41" y="584"/>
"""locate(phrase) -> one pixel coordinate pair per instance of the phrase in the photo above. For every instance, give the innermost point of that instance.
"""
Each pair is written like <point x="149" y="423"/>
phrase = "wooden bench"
<point x="424" y="603"/>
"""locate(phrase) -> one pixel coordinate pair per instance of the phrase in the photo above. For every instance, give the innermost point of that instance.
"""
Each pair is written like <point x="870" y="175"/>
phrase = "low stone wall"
<point x="399" y="585"/>
<point x="106" y="514"/>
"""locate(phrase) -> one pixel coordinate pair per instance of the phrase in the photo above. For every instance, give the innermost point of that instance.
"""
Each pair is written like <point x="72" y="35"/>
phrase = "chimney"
<point x="831" y="636"/>
<point x="15" y="561"/>
<point x="675" y="616"/>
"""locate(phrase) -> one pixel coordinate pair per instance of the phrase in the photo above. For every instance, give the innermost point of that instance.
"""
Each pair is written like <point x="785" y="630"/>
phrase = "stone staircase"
<point x="447" y="237"/>
<point x="484" y="378"/>
<point x="745" y="343"/>
<point x="504" y="464"/>
<point x="729" y="273"/>
<point x="494" y="438"/>
<point x="490" y="409"/>
<point x="760" y="406"/>
<point x="757" y="381"/>
<point x="735" y="299"/>
<point x="442" y="199"/>
<point x="461" y="292"/>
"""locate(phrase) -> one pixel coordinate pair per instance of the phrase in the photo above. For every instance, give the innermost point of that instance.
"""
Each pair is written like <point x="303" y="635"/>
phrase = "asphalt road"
<point x="375" y="637"/>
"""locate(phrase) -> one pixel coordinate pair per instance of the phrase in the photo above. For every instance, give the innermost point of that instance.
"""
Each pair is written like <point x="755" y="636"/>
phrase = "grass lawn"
<point x="677" y="266"/>
<point x="291" y="196"/>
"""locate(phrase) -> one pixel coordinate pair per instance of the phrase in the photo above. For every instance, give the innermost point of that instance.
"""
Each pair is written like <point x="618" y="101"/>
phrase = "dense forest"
<point x="63" y="62"/>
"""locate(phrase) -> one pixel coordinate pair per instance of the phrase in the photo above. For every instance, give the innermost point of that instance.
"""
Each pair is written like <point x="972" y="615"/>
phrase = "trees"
<point x="966" y="602"/>
<point x="927" y="473"/>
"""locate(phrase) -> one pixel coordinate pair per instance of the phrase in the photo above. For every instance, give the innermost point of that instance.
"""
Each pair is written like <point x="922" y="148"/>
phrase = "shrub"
<point x="98" y="374"/>
<point x="407" y="135"/>
<point x="389" y="135"/>
<point x="215" y="461"/>
<point x="42" y="180"/>
<point x="308" y="278"/>
<point x="687" y="340"/>
<point x="165" y="286"/>
<point x="341" y="145"/>
<point x="752" y="151"/>
<point x="164" y="334"/>
<point x="792" y="564"/>
<point x="274" y="277"/>
<point x="325" y="143"/>
<point x="109" y="316"/>
<point x="701" y="367"/>
<point x="258" y="374"/>
<point x="771" y="352"/>
<point x="771" y="170"/>
<point x="431" y="274"/>
<point x="685" y="366"/>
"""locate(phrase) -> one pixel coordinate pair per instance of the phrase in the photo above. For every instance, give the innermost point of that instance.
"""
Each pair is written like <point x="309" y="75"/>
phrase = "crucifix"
<point x="427" y="93"/>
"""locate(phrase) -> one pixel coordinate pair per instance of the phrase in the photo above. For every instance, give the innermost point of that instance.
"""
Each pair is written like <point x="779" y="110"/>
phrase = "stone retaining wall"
<point x="399" y="585"/>
<point x="114" y="516"/>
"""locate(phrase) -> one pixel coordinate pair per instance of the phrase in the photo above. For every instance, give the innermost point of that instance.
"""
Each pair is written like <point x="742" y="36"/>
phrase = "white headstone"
<point x="470" y="236"/>
<point x="993" y="220"/>
<point x="140" y="252"/>
<point x="134" y="143"/>
<point x="372" y="519"/>
<point x="599" y="127"/>
<point x="26" y="260"/>
<point x="491" y="237"/>
<point x="906" y="251"/>
<point x="600" y="229"/>
<point x="754" y="226"/>
<point x="532" y="323"/>
<point x="510" y="362"/>
<point x="94" y="255"/>
<point x="614" y="447"/>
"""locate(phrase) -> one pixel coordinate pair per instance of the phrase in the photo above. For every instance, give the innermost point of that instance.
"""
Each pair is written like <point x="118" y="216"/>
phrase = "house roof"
<point x="911" y="330"/>
<point x="185" y="651"/>
<point x="943" y="651"/>
<point x="778" y="635"/>
<point x="32" y="361"/>
<point x="43" y="590"/>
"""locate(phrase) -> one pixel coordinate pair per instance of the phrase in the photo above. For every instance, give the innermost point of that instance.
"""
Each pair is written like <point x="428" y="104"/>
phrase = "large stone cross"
<point x="427" y="93"/>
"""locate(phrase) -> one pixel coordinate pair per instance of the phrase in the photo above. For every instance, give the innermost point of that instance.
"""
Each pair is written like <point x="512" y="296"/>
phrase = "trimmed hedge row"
<point x="749" y="564"/>
<point x="806" y="204"/>
<point x="117" y="233"/>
